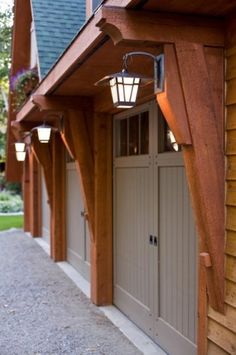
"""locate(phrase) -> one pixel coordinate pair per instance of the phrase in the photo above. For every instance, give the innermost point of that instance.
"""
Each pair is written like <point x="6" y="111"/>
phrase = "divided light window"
<point x="132" y="135"/>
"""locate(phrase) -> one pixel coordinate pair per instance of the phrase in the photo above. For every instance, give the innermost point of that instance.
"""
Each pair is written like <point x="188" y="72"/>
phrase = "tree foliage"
<point x="5" y="59"/>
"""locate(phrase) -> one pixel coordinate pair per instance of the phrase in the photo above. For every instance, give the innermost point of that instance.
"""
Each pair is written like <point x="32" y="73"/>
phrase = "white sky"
<point x="4" y="4"/>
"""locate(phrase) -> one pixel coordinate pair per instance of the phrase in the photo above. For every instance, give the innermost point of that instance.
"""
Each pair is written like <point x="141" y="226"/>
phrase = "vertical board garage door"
<point x="78" y="249"/>
<point x="155" y="244"/>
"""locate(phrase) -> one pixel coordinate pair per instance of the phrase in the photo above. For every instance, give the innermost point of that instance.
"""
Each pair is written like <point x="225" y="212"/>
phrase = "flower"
<point x="22" y="84"/>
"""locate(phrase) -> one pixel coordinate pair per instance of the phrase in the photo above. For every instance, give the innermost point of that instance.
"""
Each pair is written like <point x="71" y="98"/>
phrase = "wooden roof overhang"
<point x="192" y="102"/>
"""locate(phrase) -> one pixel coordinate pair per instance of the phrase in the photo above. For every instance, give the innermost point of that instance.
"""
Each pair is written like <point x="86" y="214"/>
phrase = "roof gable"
<point x="56" y="23"/>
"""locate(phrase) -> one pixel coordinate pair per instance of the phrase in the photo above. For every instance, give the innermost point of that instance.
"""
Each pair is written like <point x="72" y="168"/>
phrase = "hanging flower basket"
<point x="22" y="85"/>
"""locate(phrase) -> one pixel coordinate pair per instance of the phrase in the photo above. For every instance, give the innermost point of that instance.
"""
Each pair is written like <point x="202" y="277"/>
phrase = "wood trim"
<point x="58" y="220"/>
<point x="60" y="103"/>
<point x="171" y="100"/>
<point x="202" y="309"/>
<point x="44" y="155"/>
<point x="76" y="137"/>
<point x="153" y="27"/>
<point x="35" y="196"/>
<point x="101" y="247"/>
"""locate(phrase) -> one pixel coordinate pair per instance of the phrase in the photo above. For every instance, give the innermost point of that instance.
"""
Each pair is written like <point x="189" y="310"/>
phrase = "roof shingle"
<point x="56" y="24"/>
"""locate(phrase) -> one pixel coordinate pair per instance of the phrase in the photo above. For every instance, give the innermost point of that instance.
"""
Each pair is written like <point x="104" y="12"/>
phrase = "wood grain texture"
<point x="58" y="221"/>
<point x="80" y="142"/>
<point x="221" y="336"/>
<point x="144" y="26"/>
<point x="44" y="155"/>
<point x="171" y="101"/>
<point x="208" y="156"/>
<point x="213" y="349"/>
<point x="20" y="57"/>
<point x="231" y="243"/>
<point x="231" y="116"/>
<point x="101" y="248"/>
<point x="227" y="320"/>
<point x="231" y="168"/>
<point x="35" y="196"/>
<point x="205" y="160"/>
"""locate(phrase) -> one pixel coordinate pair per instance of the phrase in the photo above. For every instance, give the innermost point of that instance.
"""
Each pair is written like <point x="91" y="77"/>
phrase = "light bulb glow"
<point x="20" y="156"/>
<point x="44" y="134"/>
<point x="20" y="146"/>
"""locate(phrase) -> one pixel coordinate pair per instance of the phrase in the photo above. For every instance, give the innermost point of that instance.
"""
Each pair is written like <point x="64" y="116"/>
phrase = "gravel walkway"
<point x="42" y="312"/>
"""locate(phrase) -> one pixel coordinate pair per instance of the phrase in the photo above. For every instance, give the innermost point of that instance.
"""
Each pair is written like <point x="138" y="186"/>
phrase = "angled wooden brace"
<point x="204" y="158"/>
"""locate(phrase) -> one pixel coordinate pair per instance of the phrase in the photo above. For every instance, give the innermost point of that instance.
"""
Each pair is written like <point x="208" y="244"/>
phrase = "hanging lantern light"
<point x="124" y="88"/>
<point x="124" y="85"/>
<point x="44" y="133"/>
<point x="20" y="156"/>
<point x="19" y="146"/>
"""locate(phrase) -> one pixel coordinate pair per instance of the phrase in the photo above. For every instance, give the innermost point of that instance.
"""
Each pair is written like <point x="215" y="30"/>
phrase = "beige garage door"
<point x="155" y="244"/>
<point x="78" y="250"/>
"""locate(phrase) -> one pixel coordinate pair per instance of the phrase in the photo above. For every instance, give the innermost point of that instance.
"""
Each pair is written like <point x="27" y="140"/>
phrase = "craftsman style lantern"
<point x="20" y="146"/>
<point x="124" y="88"/>
<point x="20" y="151"/>
<point x="124" y="85"/>
<point x="44" y="133"/>
<point x="20" y="156"/>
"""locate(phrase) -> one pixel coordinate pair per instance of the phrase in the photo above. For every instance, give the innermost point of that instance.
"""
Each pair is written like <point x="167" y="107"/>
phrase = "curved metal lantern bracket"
<point x="158" y="70"/>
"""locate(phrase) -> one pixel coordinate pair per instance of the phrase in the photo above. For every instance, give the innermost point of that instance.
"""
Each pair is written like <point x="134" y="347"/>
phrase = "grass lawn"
<point x="7" y="222"/>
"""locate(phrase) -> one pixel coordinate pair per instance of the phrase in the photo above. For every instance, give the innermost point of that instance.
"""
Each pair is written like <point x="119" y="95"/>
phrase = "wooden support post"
<point x="44" y="155"/>
<point x="26" y="194"/>
<point x="35" y="196"/>
<point x="76" y="137"/>
<point x="58" y="228"/>
<point x="202" y="308"/>
<point x="204" y="158"/>
<point x="101" y="247"/>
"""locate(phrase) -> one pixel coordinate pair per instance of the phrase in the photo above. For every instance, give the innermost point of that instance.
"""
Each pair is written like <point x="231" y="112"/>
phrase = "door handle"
<point x="150" y="239"/>
<point x="84" y="214"/>
<point x="155" y="241"/>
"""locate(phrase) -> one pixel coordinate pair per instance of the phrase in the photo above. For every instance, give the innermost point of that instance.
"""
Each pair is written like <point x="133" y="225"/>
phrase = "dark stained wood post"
<point x="26" y="194"/>
<point x="35" y="196"/>
<point x="58" y="221"/>
<point x="44" y="156"/>
<point x="76" y="136"/>
<point x="101" y="247"/>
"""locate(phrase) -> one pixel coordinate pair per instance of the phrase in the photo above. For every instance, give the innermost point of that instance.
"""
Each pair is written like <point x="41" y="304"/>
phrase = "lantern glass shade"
<point x="44" y="133"/>
<point x="124" y="89"/>
<point x="20" y="146"/>
<point x="20" y="156"/>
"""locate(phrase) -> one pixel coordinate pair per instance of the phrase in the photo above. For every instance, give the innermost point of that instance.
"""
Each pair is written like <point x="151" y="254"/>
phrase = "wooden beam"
<point x="204" y="161"/>
<point x="77" y="138"/>
<point x="153" y="27"/>
<point x="44" y="155"/>
<point x="35" y="196"/>
<point x="58" y="220"/>
<point x="101" y="247"/>
<point x="66" y="137"/>
<point x="60" y="103"/>
<point x="171" y="100"/>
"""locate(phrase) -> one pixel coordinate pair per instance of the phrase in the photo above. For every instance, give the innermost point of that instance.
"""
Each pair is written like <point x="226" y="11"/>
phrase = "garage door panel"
<point x="178" y="249"/>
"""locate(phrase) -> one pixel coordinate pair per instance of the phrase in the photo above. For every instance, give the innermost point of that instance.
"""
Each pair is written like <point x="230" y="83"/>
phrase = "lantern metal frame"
<point x="124" y="85"/>
<point x="44" y="126"/>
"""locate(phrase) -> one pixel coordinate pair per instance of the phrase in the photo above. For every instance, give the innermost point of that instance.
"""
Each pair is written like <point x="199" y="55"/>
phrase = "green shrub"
<point x="10" y="203"/>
